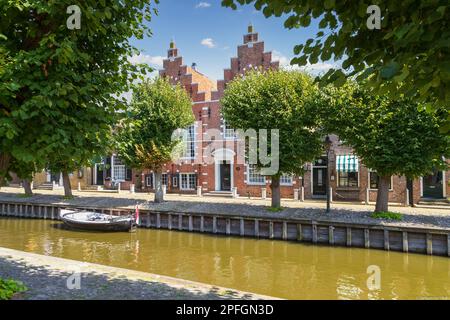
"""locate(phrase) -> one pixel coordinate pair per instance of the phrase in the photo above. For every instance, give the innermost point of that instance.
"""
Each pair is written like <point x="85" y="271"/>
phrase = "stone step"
<point x="223" y="194"/>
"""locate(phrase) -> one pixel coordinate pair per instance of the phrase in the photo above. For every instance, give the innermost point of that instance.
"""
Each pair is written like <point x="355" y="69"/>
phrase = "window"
<point x="175" y="182"/>
<point x="348" y="179"/>
<point x="164" y="180"/>
<point x="228" y="132"/>
<point x="286" y="180"/>
<point x="190" y="143"/>
<point x="254" y="177"/>
<point x="374" y="180"/>
<point x="149" y="180"/>
<point x="188" y="181"/>
<point x="119" y="172"/>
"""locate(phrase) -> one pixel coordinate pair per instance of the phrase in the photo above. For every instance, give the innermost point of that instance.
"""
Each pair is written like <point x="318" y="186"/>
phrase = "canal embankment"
<point x="427" y="233"/>
<point x="50" y="278"/>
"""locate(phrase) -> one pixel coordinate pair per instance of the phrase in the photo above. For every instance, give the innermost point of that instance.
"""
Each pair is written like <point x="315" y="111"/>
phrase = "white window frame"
<point x="190" y="144"/>
<point x="226" y="131"/>
<point x="375" y="189"/>
<point x="338" y="178"/>
<point x="289" y="178"/>
<point x="253" y="183"/>
<point x="117" y="169"/>
<point x="190" y="175"/>
<point x="153" y="180"/>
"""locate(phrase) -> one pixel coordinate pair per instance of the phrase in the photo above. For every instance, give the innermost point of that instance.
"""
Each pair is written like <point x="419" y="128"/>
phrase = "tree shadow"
<point x="45" y="283"/>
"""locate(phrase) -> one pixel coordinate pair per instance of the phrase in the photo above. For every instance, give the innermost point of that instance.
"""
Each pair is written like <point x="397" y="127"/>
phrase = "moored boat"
<point x="94" y="221"/>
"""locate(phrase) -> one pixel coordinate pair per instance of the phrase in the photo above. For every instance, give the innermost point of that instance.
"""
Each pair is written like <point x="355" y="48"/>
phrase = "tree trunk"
<point x="276" y="196"/>
<point x="67" y="186"/>
<point x="159" y="194"/>
<point x="5" y="160"/>
<point x="27" y="187"/>
<point x="383" y="194"/>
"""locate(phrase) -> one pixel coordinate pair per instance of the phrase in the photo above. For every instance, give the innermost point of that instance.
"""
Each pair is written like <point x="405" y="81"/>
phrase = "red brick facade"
<point x="210" y="176"/>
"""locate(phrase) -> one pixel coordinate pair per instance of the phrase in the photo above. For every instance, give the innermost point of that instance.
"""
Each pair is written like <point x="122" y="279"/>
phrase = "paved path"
<point x="438" y="218"/>
<point x="46" y="279"/>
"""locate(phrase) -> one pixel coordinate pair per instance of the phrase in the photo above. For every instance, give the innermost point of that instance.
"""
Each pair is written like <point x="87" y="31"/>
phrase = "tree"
<point x="277" y="100"/>
<point x="145" y="136"/>
<point x="392" y="137"/>
<point x="60" y="88"/>
<point x="409" y="54"/>
<point x="24" y="171"/>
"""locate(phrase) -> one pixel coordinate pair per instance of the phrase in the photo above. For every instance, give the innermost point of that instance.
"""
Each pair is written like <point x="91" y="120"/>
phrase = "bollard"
<point x="199" y="191"/>
<point x="164" y="187"/>
<point x="263" y="193"/>
<point x="132" y="188"/>
<point x="331" y="194"/>
<point x="79" y="186"/>
<point x="302" y="194"/>
<point x="367" y="196"/>
<point x="296" y="194"/>
<point x="234" y="191"/>
<point x="407" y="198"/>
<point x="118" y="187"/>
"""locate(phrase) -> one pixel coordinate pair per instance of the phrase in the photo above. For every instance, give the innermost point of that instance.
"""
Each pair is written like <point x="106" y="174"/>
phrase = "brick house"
<point x="221" y="173"/>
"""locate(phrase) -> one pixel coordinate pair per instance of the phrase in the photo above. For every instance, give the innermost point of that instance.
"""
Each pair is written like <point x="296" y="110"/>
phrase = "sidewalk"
<point x="46" y="279"/>
<point x="310" y="210"/>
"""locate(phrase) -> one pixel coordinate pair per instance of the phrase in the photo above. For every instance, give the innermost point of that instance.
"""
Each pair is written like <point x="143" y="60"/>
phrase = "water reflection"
<point x="282" y="269"/>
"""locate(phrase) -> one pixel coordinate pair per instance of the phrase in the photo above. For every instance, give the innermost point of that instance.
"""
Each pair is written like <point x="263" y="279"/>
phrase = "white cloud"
<point x="153" y="61"/>
<point x="208" y="42"/>
<point x="314" y="69"/>
<point x="203" y="5"/>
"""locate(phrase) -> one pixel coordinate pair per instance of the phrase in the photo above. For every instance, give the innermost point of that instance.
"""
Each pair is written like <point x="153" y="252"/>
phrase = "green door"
<point x="433" y="186"/>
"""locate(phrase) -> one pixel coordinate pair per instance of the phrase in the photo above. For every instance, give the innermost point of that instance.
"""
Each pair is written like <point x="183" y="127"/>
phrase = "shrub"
<point x="387" y="215"/>
<point x="9" y="287"/>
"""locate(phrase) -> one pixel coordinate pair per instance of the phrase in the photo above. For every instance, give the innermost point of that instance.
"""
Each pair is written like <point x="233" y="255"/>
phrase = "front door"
<point x="433" y="186"/>
<point x="99" y="172"/>
<point x="320" y="181"/>
<point x="225" y="176"/>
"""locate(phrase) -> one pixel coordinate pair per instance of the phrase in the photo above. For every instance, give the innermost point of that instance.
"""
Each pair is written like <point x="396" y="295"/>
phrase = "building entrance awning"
<point x="347" y="163"/>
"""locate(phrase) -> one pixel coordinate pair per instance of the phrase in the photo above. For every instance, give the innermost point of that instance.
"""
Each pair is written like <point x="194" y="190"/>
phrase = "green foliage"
<point x="387" y="215"/>
<point x="60" y="89"/>
<point x="9" y="287"/>
<point x="410" y="55"/>
<point x="278" y="100"/>
<point x="275" y="209"/>
<point x="144" y="138"/>
<point x="393" y="137"/>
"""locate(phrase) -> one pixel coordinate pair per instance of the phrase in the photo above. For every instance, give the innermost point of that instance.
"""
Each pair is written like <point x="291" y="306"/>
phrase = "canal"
<point x="276" y="268"/>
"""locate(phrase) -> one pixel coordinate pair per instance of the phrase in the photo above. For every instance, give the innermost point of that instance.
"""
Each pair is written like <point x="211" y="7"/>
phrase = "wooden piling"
<point x="331" y="235"/>
<point x="349" y="236"/>
<point x="386" y="239"/>
<point x="405" y="241"/>
<point x="299" y="232"/>
<point x="366" y="238"/>
<point x="429" y="244"/>
<point x="241" y="227"/>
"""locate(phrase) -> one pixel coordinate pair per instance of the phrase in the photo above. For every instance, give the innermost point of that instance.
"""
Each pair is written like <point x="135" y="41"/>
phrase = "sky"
<point x="208" y="34"/>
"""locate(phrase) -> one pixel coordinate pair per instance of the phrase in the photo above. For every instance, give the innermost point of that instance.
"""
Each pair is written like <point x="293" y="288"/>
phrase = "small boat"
<point x="94" y="221"/>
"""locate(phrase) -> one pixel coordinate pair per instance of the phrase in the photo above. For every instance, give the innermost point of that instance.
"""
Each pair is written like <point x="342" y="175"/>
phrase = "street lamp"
<point x="327" y="144"/>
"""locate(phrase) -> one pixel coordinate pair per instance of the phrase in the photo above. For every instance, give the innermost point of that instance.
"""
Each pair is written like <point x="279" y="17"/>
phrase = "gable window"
<point x="188" y="181"/>
<point x="190" y="143"/>
<point x="374" y="180"/>
<point x="254" y="176"/>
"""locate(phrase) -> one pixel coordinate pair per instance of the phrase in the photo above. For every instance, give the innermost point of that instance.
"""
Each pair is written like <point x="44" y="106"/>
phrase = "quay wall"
<point x="404" y="239"/>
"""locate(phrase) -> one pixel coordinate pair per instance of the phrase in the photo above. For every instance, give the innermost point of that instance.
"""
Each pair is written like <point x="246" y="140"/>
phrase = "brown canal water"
<point x="276" y="268"/>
